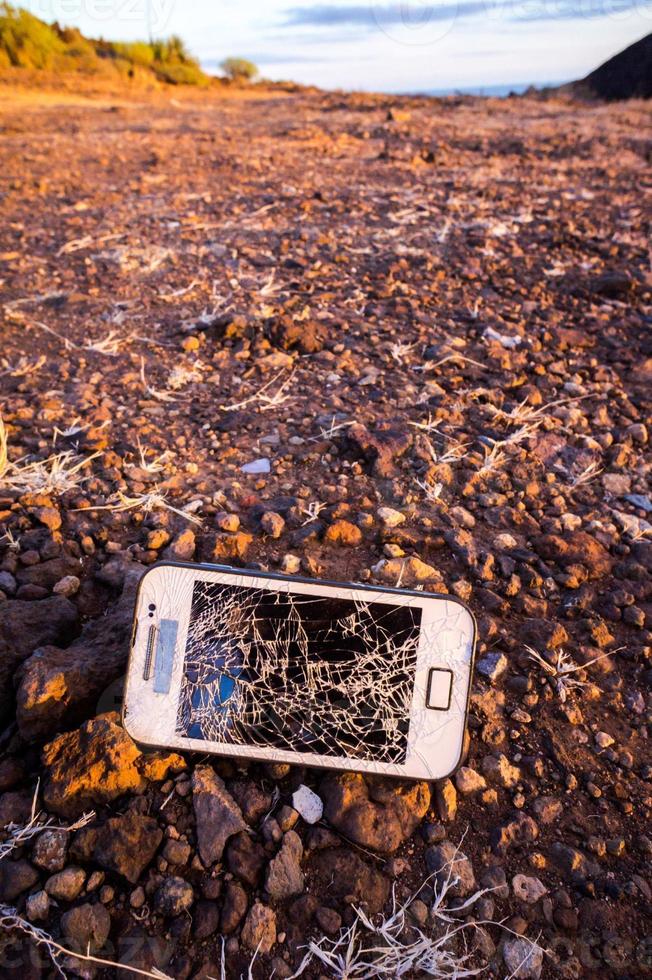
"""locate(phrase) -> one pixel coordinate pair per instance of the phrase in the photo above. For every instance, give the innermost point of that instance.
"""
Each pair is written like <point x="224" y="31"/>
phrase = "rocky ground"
<point x="362" y="339"/>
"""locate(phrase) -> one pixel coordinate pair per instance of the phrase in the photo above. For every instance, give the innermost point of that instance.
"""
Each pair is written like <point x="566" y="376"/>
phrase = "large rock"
<point x="174" y="896"/>
<point x="96" y="764"/>
<point x="57" y="687"/>
<point x="284" y="875"/>
<point x="408" y="572"/>
<point x="447" y="863"/>
<point x="569" y="860"/>
<point x="523" y="959"/>
<point x="577" y="548"/>
<point x="259" y="930"/>
<point x="125" y="844"/>
<point x="16" y="877"/>
<point x="234" y="907"/>
<point x="245" y="858"/>
<point x="46" y="574"/>
<point x="379" y="814"/>
<point x="24" y="626"/>
<point x="217" y="815"/>
<point x="350" y="878"/>
<point x="380" y="448"/>
<point x="86" y="928"/>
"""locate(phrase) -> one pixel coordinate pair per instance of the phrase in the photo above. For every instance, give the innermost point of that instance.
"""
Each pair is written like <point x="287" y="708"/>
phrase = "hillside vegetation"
<point x="28" y="42"/>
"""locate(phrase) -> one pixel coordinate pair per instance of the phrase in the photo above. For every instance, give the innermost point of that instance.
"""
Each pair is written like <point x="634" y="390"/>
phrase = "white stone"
<point x="504" y="542"/>
<point x="290" y="564"/>
<point x="492" y="666"/>
<point x="308" y="804"/>
<point x="528" y="890"/>
<point x="257" y="466"/>
<point x="603" y="740"/>
<point x="571" y="522"/>
<point x="505" y="340"/>
<point x="390" y="517"/>
<point x="469" y="781"/>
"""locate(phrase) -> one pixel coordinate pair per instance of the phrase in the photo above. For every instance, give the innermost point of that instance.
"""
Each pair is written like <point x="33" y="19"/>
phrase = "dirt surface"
<point x="438" y="307"/>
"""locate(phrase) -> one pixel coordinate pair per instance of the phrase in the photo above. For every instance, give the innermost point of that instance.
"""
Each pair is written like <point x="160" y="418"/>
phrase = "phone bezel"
<point x="256" y="753"/>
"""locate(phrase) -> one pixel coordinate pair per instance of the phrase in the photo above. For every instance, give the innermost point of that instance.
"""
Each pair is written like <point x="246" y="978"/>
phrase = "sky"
<point x="379" y="45"/>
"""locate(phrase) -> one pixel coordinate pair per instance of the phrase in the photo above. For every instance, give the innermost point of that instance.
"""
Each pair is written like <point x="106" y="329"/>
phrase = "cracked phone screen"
<point x="300" y="673"/>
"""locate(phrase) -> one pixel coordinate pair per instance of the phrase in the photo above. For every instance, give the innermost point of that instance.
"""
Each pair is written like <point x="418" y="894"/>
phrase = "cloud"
<point x="373" y="15"/>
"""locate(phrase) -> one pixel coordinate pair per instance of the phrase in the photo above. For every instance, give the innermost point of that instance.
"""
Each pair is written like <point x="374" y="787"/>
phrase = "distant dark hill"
<point x="628" y="75"/>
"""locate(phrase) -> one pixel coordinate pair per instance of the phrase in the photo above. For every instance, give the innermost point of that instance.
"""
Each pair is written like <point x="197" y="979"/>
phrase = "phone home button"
<point x="440" y="689"/>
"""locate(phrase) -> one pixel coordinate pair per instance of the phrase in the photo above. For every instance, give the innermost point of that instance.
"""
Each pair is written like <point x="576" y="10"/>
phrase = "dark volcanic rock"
<point x="306" y="336"/>
<point x="284" y="875"/>
<point x="206" y="919"/>
<point x="259" y="930"/>
<point x="24" y="626"/>
<point x="217" y="814"/>
<point x="374" y="813"/>
<point x="446" y="862"/>
<point x="174" y="896"/>
<point x="348" y="875"/>
<point x="125" y="844"/>
<point x="56" y="687"/>
<point x="570" y="860"/>
<point x="16" y="877"/>
<point x="380" y="448"/>
<point x="518" y="830"/>
<point x="578" y="548"/>
<point x="86" y="928"/>
<point x="51" y="849"/>
<point x="96" y="764"/>
<point x="234" y="907"/>
<point x="245" y="858"/>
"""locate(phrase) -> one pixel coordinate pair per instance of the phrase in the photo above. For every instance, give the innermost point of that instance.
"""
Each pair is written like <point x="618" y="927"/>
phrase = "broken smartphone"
<point x="259" y="666"/>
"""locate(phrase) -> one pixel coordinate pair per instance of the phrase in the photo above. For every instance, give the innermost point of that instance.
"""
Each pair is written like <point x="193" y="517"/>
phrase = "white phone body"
<point x="408" y="695"/>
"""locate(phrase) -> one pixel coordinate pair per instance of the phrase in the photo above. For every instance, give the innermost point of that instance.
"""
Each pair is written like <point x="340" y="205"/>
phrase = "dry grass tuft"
<point x="24" y="366"/>
<point x="263" y="398"/>
<point x="147" y="502"/>
<point x="156" y="465"/>
<point x="52" y="476"/>
<point x="392" y="946"/>
<point x="182" y="375"/>
<point x="400" y="350"/>
<point x="331" y="431"/>
<point x="561" y="671"/>
<point x="433" y="491"/>
<point x="312" y="511"/>
<point x="160" y="396"/>
<point x="110" y="345"/>
<point x="10" y="919"/>
<point x="588" y="474"/>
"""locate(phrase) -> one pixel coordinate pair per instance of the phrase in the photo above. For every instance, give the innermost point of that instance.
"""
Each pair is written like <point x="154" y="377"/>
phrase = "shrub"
<point x="137" y="53"/>
<point x="239" y="69"/>
<point x="181" y="73"/>
<point x="26" y="41"/>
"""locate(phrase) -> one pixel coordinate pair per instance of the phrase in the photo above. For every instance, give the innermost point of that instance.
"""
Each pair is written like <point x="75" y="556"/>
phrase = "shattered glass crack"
<point x="299" y="673"/>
